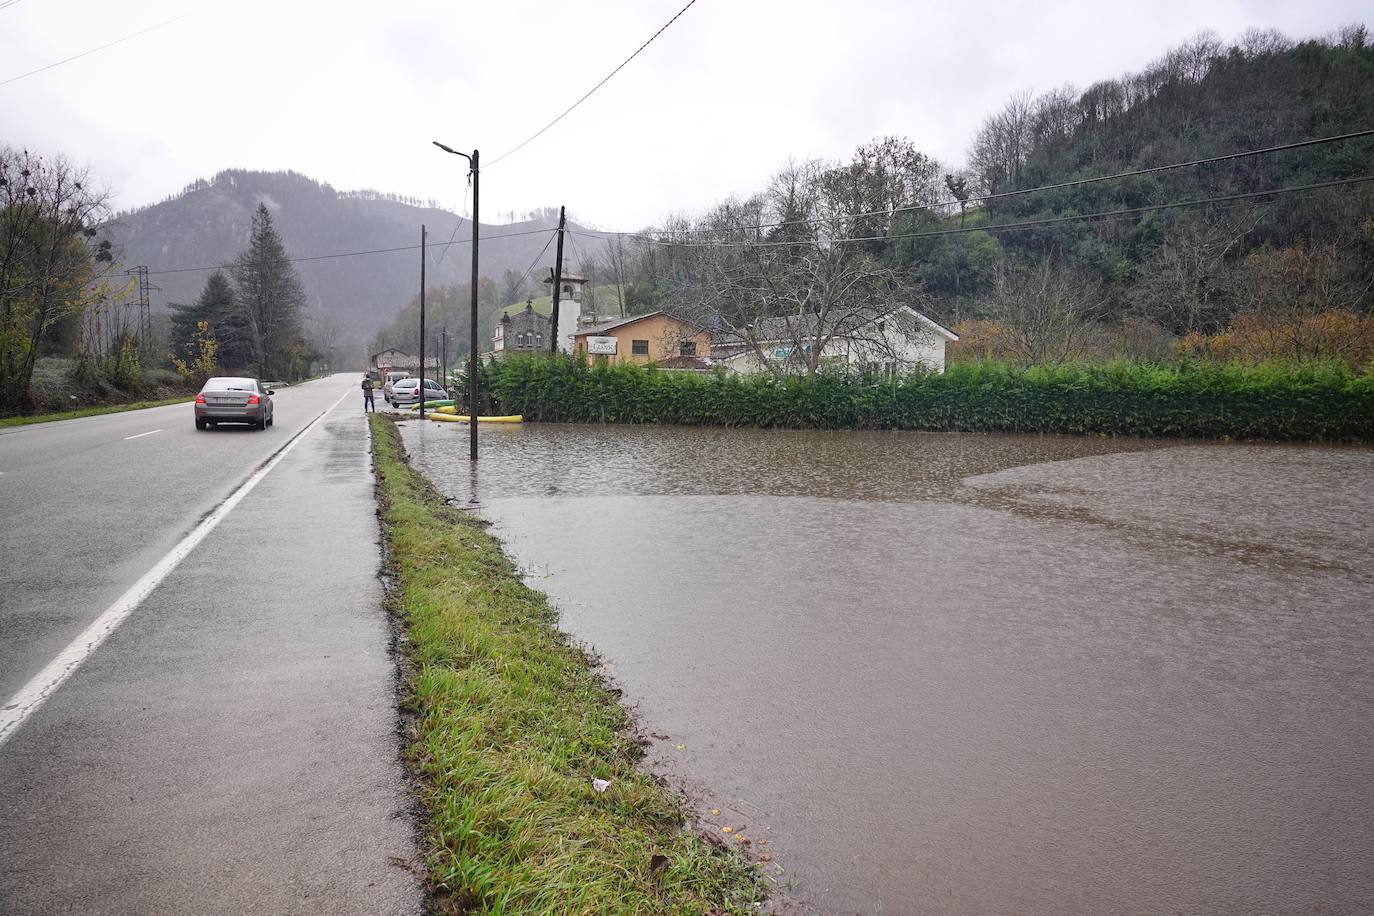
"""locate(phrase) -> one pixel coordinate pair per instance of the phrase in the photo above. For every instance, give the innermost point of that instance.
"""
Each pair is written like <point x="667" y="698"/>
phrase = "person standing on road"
<point x="368" y="403"/>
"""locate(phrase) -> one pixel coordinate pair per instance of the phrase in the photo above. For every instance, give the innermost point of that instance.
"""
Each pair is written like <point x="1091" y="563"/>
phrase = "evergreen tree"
<point x="269" y="297"/>
<point x="216" y="308"/>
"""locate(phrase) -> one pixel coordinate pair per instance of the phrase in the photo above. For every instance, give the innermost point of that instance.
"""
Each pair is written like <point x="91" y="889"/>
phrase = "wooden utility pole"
<point x="557" y="281"/>
<point x="424" y="256"/>
<point x="472" y="331"/>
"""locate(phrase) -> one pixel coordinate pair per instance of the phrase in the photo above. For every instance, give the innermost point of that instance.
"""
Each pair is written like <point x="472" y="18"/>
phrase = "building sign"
<point x="601" y="345"/>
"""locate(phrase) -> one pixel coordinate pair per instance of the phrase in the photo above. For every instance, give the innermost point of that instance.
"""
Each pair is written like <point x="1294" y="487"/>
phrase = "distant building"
<point x="896" y="342"/>
<point x="654" y="338"/>
<point x="394" y="360"/>
<point x="524" y="332"/>
<point x="570" y="319"/>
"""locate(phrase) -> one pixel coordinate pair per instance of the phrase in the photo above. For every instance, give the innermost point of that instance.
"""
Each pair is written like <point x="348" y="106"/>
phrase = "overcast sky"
<point x="352" y="93"/>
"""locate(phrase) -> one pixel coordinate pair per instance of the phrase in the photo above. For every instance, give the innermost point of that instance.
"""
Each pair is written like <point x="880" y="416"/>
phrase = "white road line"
<point x="141" y="435"/>
<point x="45" y="683"/>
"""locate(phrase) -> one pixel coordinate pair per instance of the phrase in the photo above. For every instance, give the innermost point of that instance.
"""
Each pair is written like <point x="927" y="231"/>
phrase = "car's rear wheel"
<point x="200" y="423"/>
<point x="262" y="423"/>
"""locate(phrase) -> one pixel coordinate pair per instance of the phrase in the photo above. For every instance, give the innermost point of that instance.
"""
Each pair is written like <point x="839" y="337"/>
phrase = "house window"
<point x="567" y="290"/>
<point x="539" y="340"/>
<point x="639" y="347"/>
<point x="519" y="340"/>
<point x="687" y="348"/>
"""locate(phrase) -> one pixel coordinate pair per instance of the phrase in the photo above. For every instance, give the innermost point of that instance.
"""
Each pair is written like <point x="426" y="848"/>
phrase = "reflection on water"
<point x="979" y="674"/>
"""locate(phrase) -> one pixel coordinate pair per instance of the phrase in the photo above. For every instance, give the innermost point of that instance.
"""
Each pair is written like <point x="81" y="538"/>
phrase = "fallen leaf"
<point x="727" y="830"/>
<point x="744" y="840"/>
<point x="657" y="862"/>
<point x="682" y="747"/>
<point x="765" y="857"/>
<point x="763" y="842"/>
<point x="715" y="812"/>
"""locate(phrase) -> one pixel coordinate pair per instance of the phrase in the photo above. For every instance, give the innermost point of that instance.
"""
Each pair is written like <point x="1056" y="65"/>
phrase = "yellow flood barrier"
<point x="459" y="418"/>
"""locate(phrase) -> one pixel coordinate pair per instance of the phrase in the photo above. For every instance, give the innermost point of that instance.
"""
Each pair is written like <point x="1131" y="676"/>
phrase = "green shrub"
<point x="1325" y="402"/>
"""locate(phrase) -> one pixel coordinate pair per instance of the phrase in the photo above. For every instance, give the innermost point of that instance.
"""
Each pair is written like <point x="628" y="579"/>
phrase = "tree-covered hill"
<point x="208" y="223"/>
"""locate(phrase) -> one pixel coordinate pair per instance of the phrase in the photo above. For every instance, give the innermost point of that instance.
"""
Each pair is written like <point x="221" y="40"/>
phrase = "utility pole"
<point x="557" y="280"/>
<point x="472" y="331"/>
<point x="145" y="317"/>
<point x="424" y="256"/>
<point x="443" y="348"/>
<point x="475" y="173"/>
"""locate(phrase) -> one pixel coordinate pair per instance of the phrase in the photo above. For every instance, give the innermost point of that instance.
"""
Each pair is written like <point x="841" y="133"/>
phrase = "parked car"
<point x="391" y="379"/>
<point x="407" y="391"/>
<point x="229" y="399"/>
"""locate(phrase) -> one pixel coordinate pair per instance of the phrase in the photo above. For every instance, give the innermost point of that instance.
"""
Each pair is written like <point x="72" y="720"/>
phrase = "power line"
<point x="458" y="225"/>
<point x="1028" y="224"/>
<point x="526" y="275"/>
<point x="584" y="98"/>
<point x="1053" y="187"/>
<point x="354" y="254"/>
<point x="68" y="60"/>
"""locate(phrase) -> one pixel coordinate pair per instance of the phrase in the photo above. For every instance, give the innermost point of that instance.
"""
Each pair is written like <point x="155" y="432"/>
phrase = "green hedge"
<point x="1278" y="402"/>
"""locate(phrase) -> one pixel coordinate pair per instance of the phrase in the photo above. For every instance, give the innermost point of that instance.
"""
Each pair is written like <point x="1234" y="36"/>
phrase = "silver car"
<point x="227" y="399"/>
<point x="407" y="391"/>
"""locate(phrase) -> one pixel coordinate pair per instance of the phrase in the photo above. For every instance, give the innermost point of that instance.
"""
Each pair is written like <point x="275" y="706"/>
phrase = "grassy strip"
<point x="1207" y="400"/>
<point x="512" y="725"/>
<point x="24" y="420"/>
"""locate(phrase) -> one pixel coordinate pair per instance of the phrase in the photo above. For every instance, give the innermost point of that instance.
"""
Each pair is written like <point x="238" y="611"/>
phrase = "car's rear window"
<point x="406" y="383"/>
<point x="230" y="384"/>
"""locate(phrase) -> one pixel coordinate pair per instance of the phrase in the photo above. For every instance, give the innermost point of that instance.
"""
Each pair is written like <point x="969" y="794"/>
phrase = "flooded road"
<point x="977" y="674"/>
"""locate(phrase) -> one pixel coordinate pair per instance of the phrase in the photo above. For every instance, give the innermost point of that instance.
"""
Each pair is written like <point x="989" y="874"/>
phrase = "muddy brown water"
<point x="977" y="674"/>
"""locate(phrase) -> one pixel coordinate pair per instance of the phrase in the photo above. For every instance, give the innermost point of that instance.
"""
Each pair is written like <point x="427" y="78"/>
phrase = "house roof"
<point x="842" y="322"/>
<point x="597" y="330"/>
<point x="685" y="362"/>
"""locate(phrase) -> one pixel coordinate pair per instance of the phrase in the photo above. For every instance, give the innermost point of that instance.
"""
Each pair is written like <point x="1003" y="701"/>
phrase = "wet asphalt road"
<point x="231" y="747"/>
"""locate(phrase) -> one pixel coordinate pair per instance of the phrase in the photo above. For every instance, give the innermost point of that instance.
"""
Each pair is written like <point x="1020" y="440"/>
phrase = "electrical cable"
<point x="1053" y="187"/>
<point x="354" y="254"/>
<point x="456" y="226"/>
<point x="526" y="275"/>
<point x="68" y="60"/>
<point x="1029" y="224"/>
<point x="584" y="98"/>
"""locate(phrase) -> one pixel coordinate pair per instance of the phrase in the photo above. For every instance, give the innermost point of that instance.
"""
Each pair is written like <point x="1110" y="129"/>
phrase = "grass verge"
<point x="25" y="419"/>
<point x="511" y="727"/>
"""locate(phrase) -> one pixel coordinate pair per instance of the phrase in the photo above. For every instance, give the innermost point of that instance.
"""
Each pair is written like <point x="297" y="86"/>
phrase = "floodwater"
<point x="977" y="674"/>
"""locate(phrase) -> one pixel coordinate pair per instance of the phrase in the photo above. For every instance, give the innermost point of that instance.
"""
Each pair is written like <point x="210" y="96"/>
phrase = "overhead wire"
<point x="588" y="95"/>
<point x="943" y="204"/>
<point x="456" y="226"/>
<point x="526" y="275"/>
<point x="67" y="60"/>
<point x="1027" y="224"/>
<point x="354" y="254"/>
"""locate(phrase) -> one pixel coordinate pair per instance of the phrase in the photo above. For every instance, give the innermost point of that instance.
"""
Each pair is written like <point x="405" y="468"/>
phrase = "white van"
<point x="391" y="377"/>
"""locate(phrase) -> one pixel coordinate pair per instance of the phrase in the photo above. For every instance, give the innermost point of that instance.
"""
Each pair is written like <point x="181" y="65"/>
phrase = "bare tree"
<point x="1048" y="309"/>
<point x="785" y="293"/>
<point x="1185" y="284"/>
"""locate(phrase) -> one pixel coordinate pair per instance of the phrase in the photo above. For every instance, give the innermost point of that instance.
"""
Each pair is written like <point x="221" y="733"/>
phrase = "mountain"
<point x="207" y="224"/>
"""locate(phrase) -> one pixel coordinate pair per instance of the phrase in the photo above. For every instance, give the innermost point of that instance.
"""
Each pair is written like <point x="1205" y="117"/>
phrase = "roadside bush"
<point x="1319" y="402"/>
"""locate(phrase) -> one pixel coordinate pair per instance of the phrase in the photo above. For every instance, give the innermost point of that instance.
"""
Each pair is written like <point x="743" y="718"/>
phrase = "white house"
<point x="896" y="342"/>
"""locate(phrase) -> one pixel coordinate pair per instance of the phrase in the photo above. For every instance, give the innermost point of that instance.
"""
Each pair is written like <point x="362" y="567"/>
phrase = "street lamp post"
<point x="472" y="335"/>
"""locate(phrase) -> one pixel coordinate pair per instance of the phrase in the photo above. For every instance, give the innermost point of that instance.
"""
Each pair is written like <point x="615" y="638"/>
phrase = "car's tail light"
<point x="253" y="399"/>
<point x="200" y="398"/>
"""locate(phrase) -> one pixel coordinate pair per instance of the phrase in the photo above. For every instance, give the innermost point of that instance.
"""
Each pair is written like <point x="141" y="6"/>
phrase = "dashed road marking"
<point x="141" y="435"/>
